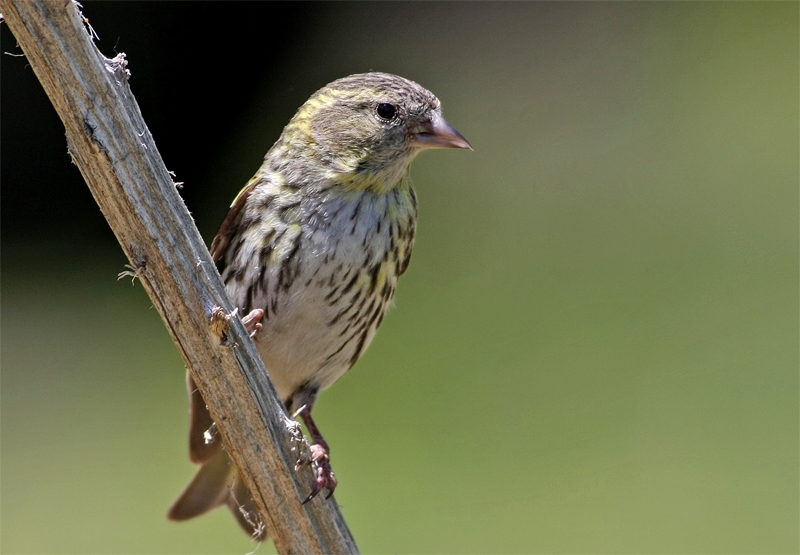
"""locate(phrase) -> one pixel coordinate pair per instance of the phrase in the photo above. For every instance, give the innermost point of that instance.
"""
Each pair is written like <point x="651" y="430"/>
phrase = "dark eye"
<point x="386" y="110"/>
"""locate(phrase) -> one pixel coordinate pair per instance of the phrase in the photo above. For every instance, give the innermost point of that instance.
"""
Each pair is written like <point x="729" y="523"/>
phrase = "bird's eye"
<point x="386" y="111"/>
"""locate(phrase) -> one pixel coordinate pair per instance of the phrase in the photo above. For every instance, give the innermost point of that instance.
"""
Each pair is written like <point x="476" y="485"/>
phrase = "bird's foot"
<point x="324" y="478"/>
<point x="319" y="455"/>
<point x="252" y="322"/>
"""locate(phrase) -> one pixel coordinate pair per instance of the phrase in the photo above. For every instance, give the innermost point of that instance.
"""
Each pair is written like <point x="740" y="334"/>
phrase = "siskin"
<point x="311" y="250"/>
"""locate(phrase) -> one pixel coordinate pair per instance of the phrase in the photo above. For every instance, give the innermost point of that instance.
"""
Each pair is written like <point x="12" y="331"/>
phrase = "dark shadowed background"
<point x="595" y="348"/>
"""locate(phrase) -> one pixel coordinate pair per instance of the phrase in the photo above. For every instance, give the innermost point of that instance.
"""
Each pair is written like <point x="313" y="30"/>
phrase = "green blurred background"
<point x="595" y="348"/>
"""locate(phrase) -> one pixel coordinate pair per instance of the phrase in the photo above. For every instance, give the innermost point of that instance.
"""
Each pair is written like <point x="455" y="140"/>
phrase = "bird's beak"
<point x="437" y="133"/>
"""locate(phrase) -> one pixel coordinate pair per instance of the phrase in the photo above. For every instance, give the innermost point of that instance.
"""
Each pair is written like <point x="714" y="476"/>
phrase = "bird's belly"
<point x="320" y="327"/>
<point x="326" y="283"/>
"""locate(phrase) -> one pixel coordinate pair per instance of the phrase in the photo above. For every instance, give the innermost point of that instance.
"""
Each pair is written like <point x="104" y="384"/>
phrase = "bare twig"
<point x="115" y="152"/>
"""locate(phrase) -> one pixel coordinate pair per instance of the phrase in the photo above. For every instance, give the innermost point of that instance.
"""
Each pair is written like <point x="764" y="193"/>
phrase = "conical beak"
<point x="437" y="133"/>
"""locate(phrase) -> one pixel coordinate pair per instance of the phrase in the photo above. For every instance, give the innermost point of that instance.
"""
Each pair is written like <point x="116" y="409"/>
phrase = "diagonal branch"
<point x="110" y="143"/>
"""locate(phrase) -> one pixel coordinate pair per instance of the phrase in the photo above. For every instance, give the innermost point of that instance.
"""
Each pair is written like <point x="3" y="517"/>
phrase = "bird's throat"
<point x="378" y="181"/>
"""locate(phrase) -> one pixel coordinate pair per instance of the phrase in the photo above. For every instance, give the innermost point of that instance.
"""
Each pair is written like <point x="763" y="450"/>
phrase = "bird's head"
<point x="364" y="130"/>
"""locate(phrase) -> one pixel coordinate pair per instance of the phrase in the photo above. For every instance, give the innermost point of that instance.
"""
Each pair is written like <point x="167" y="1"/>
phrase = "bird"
<point x="311" y="251"/>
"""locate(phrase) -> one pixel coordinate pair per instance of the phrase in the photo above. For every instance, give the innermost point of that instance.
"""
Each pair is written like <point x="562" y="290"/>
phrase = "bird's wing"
<point x="231" y="224"/>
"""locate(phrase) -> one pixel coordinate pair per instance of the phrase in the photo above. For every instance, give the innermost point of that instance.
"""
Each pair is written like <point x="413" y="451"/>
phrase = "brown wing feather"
<point x="230" y="224"/>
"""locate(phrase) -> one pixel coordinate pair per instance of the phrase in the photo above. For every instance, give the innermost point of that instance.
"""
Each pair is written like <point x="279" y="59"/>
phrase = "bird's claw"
<point x="324" y="478"/>
<point x="252" y="322"/>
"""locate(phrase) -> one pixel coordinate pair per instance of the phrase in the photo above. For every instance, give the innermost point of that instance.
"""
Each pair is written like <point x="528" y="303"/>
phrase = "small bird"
<point x="311" y="250"/>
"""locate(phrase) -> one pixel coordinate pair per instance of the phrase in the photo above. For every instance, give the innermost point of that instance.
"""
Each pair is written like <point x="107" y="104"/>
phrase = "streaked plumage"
<point x="317" y="240"/>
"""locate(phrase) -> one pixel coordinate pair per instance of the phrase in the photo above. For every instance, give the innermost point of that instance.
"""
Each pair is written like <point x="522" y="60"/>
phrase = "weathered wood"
<point x="110" y="143"/>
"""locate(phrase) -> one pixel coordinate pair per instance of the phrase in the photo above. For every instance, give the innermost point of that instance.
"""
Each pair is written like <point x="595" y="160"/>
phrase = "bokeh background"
<point x="595" y="348"/>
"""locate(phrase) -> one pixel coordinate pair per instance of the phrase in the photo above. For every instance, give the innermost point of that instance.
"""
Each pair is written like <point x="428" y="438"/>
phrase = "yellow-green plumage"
<point x="317" y="240"/>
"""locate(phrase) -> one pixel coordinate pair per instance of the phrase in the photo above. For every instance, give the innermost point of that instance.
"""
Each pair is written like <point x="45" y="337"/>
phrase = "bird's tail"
<point x="216" y="482"/>
<point x="208" y="489"/>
